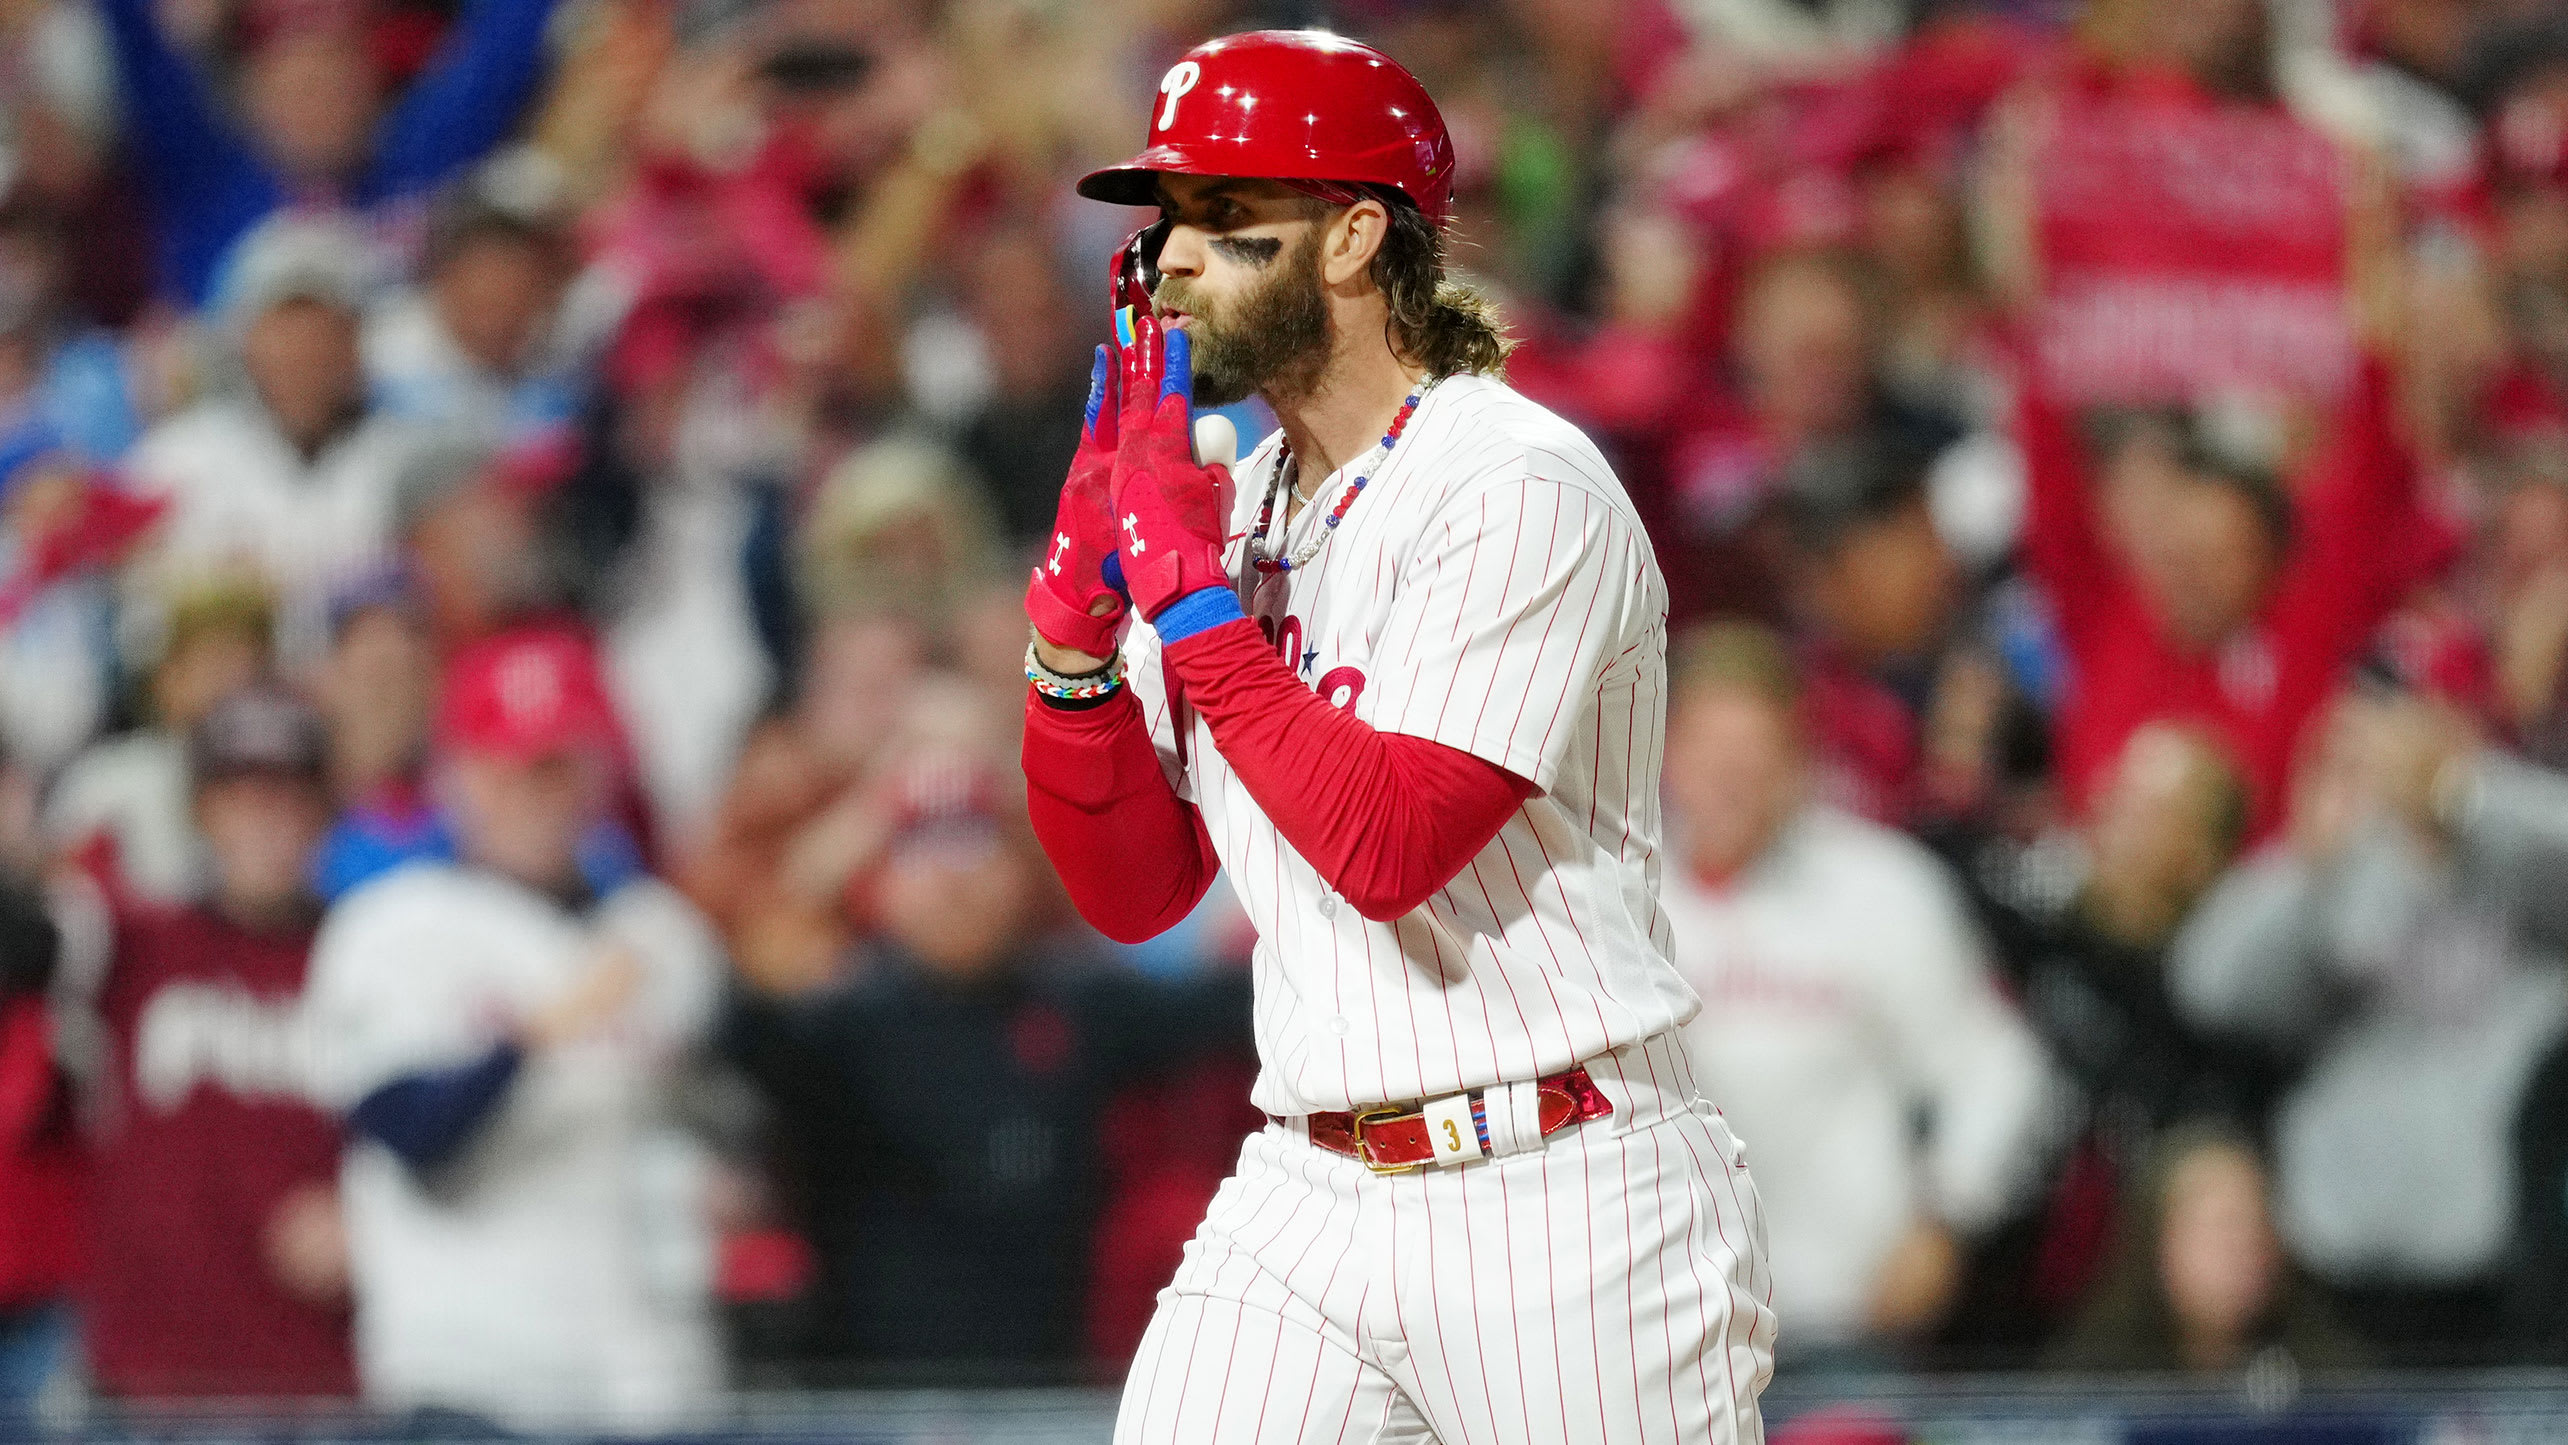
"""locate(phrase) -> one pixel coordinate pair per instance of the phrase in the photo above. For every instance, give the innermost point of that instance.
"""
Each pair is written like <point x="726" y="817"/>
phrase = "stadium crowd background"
<point x="2110" y="461"/>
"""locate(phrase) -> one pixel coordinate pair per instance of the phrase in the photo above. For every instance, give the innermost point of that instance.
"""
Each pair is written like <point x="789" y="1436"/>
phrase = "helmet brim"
<point x="1136" y="181"/>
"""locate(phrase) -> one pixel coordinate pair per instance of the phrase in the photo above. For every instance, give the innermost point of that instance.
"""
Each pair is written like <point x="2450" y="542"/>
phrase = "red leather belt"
<point x="1394" y="1141"/>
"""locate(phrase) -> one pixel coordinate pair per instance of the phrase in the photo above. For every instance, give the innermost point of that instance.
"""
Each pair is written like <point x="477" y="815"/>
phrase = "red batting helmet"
<point x="1290" y="105"/>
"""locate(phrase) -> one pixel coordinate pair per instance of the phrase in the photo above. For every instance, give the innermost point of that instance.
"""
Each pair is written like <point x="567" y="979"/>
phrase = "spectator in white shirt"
<point x="528" y="1223"/>
<point x="497" y="337"/>
<point x="283" y="469"/>
<point x="1845" y="998"/>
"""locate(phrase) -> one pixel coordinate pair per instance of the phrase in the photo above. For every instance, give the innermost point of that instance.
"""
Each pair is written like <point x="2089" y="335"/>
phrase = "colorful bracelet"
<point x="1073" y="687"/>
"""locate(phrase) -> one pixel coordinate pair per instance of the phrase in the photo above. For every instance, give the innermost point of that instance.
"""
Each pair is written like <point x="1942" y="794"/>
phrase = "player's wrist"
<point x="1068" y="661"/>
<point x="1073" y="692"/>
<point x="1200" y="610"/>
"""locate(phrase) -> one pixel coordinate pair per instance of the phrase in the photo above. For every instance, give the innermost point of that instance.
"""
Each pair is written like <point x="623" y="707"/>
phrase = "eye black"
<point x="1248" y="250"/>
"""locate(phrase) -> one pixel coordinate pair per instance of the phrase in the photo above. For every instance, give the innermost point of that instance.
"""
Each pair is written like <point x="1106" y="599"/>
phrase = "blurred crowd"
<point x="514" y="897"/>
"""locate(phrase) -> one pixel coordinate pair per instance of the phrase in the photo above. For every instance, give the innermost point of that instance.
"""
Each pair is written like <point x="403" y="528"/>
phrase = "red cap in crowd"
<point x="525" y="696"/>
<point x="1290" y="105"/>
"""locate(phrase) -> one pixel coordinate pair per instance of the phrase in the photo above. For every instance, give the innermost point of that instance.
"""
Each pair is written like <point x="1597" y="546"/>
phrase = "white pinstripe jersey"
<point x="1491" y="590"/>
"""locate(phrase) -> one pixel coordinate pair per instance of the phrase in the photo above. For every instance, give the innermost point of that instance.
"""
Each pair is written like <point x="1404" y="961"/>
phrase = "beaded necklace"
<point x="1274" y="562"/>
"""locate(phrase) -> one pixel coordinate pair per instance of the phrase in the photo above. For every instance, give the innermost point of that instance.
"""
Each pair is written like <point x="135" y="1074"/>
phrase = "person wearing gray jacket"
<point x="2408" y="942"/>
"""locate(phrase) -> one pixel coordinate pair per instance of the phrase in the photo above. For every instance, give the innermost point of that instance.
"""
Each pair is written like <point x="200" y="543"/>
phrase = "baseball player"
<point x="525" y="1214"/>
<point x="1403" y="676"/>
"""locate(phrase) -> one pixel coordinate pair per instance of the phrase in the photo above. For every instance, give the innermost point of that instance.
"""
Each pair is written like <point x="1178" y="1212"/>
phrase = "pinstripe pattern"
<point x="1497" y="594"/>
<point x="1607" y="1289"/>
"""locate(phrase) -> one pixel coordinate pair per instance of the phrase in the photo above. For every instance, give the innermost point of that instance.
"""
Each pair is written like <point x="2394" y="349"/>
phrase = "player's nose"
<point x="1183" y="253"/>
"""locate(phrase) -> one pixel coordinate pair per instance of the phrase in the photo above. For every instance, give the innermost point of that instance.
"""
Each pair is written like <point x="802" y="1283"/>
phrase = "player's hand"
<point x="1169" y="513"/>
<point x="1072" y="601"/>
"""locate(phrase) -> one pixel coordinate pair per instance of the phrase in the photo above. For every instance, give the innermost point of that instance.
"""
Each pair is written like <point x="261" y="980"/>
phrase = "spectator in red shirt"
<point x="2187" y="583"/>
<point x="216" y="1261"/>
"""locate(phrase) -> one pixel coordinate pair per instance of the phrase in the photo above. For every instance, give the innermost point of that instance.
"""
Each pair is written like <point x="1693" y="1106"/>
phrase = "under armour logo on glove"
<point x="1074" y="597"/>
<point x="1159" y="488"/>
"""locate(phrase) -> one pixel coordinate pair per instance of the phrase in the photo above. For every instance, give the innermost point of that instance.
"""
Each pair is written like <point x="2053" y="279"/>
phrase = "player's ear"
<point x="1354" y="238"/>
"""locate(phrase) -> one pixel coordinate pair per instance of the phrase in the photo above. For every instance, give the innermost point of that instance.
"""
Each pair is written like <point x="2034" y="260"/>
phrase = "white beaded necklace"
<point x="1266" y="538"/>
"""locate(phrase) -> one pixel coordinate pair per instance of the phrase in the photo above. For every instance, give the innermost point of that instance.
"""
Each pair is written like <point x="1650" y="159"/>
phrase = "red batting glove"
<point x="1072" y="600"/>
<point x="1170" y="514"/>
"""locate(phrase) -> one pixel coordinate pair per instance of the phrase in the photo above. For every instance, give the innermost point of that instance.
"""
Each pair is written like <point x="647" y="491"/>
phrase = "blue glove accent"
<point x="1112" y="569"/>
<point x="1197" y="611"/>
<point x="1096" y="391"/>
<point x="1179" y="378"/>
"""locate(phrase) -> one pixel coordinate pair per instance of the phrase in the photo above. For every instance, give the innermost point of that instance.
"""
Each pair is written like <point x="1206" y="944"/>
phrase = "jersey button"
<point x="1328" y="904"/>
<point x="1340" y="1027"/>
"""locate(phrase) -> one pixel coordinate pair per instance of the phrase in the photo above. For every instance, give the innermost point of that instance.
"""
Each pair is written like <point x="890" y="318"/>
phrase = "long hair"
<point x="1443" y="324"/>
<point x="2129" y="1323"/>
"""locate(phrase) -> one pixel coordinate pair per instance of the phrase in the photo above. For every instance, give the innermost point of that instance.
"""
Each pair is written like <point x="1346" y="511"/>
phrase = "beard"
<point x="1273" y="339"/>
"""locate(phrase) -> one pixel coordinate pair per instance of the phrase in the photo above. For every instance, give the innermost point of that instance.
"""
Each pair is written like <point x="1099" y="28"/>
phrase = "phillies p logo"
<point x="1181" y="78"/>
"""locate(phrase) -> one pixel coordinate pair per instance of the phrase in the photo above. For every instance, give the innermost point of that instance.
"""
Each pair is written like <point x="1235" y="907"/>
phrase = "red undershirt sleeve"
<point x="1133" y="855"/>
<point x="1386" y="818"/>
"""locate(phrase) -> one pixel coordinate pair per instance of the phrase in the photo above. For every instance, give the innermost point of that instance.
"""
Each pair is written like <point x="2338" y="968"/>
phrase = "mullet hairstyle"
<point x="1441" y="323"/>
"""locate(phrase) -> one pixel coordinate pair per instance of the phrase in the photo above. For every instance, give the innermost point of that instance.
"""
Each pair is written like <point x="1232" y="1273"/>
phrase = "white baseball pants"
<point x="1607" y="1285"/>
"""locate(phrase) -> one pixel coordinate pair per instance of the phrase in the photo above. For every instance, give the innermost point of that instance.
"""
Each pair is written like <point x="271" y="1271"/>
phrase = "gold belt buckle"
<point x="1364" y="1151"/>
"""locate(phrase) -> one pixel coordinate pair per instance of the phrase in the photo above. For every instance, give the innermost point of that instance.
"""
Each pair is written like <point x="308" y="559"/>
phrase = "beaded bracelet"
<point x="1073" y="687"/>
